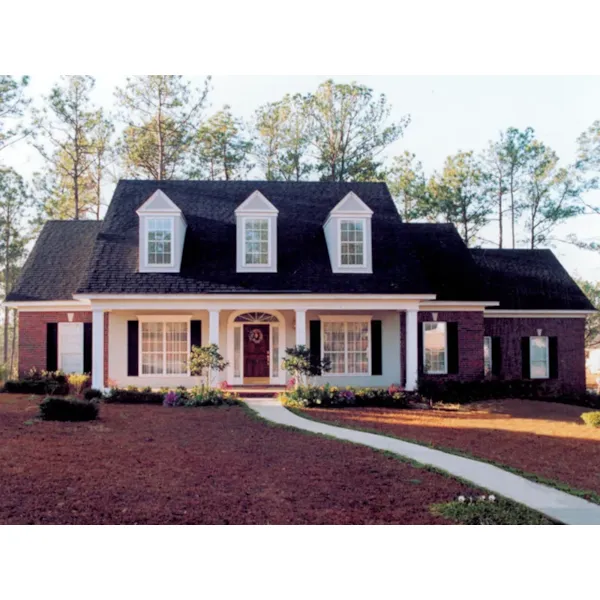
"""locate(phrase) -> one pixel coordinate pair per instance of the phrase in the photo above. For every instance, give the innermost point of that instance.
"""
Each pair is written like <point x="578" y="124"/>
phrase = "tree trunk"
<point x="500" y="216"/>
<point x="512" y="208"/>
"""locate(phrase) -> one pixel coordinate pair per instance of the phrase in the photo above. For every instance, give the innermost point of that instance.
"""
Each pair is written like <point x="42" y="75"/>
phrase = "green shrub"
<point x="591" y="418"/>
<point x="206" y="396"/>
<point x="67" y="409"/>
<point x="133" y="396"/>
<point x="92" y="394"/>
<point x="465" y="392"/>
<point x="39" y="382"/>
<point x="328" y="396"/>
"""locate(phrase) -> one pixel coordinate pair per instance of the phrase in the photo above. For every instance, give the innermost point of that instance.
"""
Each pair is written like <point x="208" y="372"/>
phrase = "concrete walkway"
<point x="557" y="505"/>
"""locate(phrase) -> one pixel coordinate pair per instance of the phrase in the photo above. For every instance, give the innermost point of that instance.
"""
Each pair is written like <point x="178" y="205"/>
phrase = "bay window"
<point x="435" y="348"/>
<point x="164" y="347"/>
<point x="346" y="344"/>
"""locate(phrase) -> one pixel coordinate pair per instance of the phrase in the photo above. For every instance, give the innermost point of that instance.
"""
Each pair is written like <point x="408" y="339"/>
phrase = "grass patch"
<point x="500" y="512"/>
<point x="589" y="495"/>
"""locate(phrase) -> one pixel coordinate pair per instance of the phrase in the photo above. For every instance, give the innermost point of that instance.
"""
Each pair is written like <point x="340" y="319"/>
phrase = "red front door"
<point x="256" y="351"/>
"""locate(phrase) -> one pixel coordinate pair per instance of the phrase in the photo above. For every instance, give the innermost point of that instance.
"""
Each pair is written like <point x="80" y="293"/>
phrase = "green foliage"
<point x="92" y="394"/>
<point x="328" y="396"/>
<point x="460" y="195"/>
<point x="484" y="512"/>
<point x="67" y="409"/>
<point x="592" y="322"/>
<point x="204" y="396"/>
<point x="133" y="396"/>
<point x="72" y="135"/>
<point x="408" y="186"/>
<point x="591" y="418"/>
<point x="162" y="114"/>
<point x="13" y="102"/>
<point x="221" y="149"/>
<point x="348" y="129"/>
<point x="39" y="382"/>
<point x="302" y="366"/>
<point x="465" y="392"/>
<point x="205" y="362"/>
<point x="283" y="139"/>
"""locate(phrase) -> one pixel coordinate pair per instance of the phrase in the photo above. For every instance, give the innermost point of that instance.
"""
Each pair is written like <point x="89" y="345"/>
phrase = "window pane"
<point x="538" y="351"/>
<point x="434" y="344"/>
<point x="256" y="240"/>
<point x="152" y="348"/>
<point x="487" y="355"/>
<point x="346" y="345"/>
<point x="159" y="241"/>
<point x="275" y="341"/>
<point x="352" y="242"/>
<point x="177" y="348"/>
<point x="334" y="345"/>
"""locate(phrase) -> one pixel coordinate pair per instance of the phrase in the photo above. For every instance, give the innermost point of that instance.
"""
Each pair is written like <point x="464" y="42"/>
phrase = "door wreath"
<point x="255" y="336"/>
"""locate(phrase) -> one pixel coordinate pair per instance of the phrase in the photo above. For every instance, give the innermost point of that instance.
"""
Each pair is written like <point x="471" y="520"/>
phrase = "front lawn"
<point x="151" y="464"/>
<point x="544" y="439"/>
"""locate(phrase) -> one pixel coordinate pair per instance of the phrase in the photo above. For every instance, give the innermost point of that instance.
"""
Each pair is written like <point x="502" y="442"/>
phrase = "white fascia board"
<point x="49" y="305"/>
<point x="537" y="314"/>
<point x="458" y="306"/>
<point x="243" y="297"/>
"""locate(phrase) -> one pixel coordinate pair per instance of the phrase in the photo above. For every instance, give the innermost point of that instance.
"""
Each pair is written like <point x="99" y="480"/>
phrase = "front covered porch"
<point x="370" y="342"/>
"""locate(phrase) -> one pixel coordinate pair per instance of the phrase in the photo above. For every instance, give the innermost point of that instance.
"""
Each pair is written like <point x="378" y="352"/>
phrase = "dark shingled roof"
<point x="209" y="261"/>
<point x="529" y="280"/>
<point x="58" y="262"/>
<point x="408" y="258"/>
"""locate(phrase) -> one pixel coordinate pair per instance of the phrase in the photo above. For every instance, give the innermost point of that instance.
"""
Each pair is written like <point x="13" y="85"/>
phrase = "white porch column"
<point x="412" y="350"/>
<point x="300" y="328"/>
<point x="98" y="349"/>
<point x="213" y="327"/>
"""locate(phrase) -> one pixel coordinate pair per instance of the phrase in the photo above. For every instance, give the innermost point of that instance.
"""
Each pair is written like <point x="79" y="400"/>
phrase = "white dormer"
<point x="162" y="234"/>
<point x="348" y="236"/>
<point x="256" y="222"/>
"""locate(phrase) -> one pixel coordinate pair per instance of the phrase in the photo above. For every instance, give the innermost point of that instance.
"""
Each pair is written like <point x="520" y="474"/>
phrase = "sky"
<point x="448" y="113"/>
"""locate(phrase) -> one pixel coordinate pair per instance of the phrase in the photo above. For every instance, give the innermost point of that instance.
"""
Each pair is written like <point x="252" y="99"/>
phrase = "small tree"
<point x="205" y="362"/>
<point x="302" y="366"/>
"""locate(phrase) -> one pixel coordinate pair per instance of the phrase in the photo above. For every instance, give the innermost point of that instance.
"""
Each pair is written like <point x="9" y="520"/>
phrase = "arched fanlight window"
<point x="252" y="317"/>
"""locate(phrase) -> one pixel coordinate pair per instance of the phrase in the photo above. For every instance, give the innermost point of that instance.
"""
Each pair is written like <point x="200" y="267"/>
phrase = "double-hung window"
<point x="352" y="242"/>
<point x="435" y="348"/>
<point x="539" y="361"/>
<point x="256" y="242"/>
<point x="160" y="241"/>
<point x="164" y="347"/>
<point x="346" y="344"/>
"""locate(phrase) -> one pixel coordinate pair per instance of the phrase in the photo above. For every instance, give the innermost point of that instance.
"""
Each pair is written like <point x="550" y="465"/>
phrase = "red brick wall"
<point x="571" y="351"/>
<point x="32" y="337"/>
<point x="470" y="345"/>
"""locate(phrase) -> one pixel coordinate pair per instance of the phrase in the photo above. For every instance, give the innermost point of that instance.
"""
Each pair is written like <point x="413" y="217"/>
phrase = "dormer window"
<point x="352" y="242"/>
<point x="256" y="222"/>
<point x="160" y="241"/>
<point x="256" y="242"/>
<point x="348" y="236"/>
<point x="162" y="229"/>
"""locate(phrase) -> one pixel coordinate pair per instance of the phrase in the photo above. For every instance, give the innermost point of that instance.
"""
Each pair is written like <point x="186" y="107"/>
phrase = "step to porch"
<point x="257" y="391"/>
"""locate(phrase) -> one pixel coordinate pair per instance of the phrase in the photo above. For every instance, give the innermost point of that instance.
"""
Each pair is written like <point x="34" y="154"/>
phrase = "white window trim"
<point x="487" y="339"/>
<point x="445" y="371"/>
<point x="363" y="221"/>
<point x="171" y="220"/>
<point x="163" y="319"/>
<point x="347" y="319"/>
<point x="531" y="338"/>
<point x="269" y="262"/>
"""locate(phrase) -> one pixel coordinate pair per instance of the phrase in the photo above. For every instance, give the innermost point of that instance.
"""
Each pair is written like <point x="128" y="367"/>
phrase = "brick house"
<point x="256" y="267"/>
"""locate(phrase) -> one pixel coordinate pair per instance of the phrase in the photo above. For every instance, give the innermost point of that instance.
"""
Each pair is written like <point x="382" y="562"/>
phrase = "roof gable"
<point x="256" y="202"/>
<point x="159" y="202"/>
<point x="350" y="204"/>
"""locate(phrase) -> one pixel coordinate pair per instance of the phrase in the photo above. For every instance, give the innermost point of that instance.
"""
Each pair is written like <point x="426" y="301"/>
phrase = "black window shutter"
<point x="196" y="333"/>
<point x="420" y="360"/>
<point x="496" y="356"/>
<point x="553" y="356"/>
<point x="525" y="366"/>
<point x="315" y="341"/>
<point x="452" y="333"/>
<point x="376" y="349"/>
<point x="133" y="348"/>
<point x="87" y="347"/>
<point x="51" y="346"/>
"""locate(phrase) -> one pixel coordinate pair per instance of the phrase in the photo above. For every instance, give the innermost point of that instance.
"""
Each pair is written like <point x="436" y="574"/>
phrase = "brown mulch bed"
<point x="149" y="464"/>
<point x="543" y="438"/>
